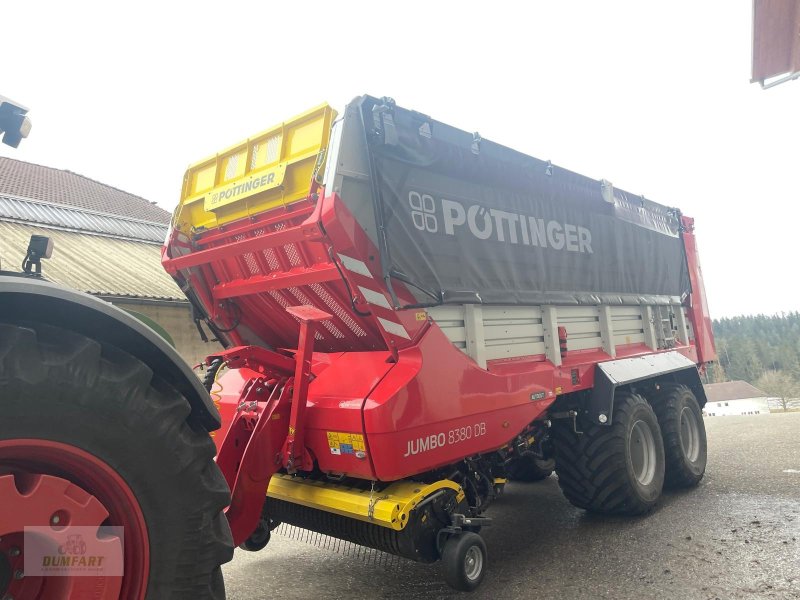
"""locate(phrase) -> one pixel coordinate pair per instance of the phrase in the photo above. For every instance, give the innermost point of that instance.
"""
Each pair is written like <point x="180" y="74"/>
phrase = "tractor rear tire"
<point x="60" y="390"/>
<point x="612" y="469"/>
<point x="684" y="434"/>
<point x="528" y="468"/>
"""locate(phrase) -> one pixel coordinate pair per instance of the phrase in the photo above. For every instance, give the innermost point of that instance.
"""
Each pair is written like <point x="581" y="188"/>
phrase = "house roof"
<point x="732" y="390"/>
<point x="107" y="242"/>
<point x="97" y="264"/>
<point x="68" y="218"/>
<point x="46" y="184"/>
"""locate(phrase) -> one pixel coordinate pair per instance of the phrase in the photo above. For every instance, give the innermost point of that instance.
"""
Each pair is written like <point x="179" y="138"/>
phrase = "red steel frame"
<point x="392" y="377"/>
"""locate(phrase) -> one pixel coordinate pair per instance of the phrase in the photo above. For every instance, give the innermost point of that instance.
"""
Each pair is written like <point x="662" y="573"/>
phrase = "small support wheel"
<point x="258" y="540"/>
<point x="529" y="468"/>
<point x="464" y="559"/>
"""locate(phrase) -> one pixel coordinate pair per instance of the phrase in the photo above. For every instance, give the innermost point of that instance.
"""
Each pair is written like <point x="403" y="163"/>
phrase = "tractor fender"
<point x="32" y="299"/>
<point x="664" y="366"/>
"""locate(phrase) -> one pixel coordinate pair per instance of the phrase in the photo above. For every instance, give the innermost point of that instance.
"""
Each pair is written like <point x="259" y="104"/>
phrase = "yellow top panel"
<point x="271" y="169"/>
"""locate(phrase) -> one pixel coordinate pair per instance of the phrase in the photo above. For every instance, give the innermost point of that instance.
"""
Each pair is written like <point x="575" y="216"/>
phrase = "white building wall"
<point x="746" y="406"/>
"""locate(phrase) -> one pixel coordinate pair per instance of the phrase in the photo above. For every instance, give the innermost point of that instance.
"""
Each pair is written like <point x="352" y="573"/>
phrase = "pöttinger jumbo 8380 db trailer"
<point x="436" y="313"/>
<point x="411" y="315"/>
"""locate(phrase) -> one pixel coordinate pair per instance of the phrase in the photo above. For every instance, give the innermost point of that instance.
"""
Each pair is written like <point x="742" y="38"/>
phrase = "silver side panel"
<point x="487" y="332"/>
<point x="628" y="370"/>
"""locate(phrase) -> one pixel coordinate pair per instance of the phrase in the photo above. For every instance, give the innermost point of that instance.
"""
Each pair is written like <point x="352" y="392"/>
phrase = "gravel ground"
<point x="735" y="536"/>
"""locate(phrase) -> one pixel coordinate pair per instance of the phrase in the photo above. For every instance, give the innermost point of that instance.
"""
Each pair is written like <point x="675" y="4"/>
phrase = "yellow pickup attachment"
<point x="271" y="169"/>
<point x="390" y="507"/>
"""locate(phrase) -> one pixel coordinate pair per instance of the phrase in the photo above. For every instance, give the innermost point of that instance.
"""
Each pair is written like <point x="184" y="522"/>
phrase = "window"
<point x="726" y="404"/>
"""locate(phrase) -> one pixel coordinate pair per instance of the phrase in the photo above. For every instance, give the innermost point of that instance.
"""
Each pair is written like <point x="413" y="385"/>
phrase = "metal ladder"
<point x="665" y="326"/>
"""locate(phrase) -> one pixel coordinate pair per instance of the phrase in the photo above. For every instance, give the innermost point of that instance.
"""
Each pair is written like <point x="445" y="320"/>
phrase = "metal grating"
<point x="293" y="255"/>
<point x="278" y="297"/>
<point x="252" y="265"/>
<point x="338" y="310"/>
<point x="230" y="168"/>
<point x="248" y="258"/>
<point x="287" y="263"/>
<point x="303" y="299"/>
<point x="254" y="156"/>
<point x="272" y="259"/>
<point x="273" y="148"/>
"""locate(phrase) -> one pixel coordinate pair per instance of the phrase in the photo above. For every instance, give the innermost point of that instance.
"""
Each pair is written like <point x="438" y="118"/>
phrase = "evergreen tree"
<point x="750" y="346"/>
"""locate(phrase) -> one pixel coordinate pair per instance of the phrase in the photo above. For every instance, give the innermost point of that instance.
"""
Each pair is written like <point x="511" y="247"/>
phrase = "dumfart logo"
<point x="73" y="551"/>
<point x="495" y="224"/>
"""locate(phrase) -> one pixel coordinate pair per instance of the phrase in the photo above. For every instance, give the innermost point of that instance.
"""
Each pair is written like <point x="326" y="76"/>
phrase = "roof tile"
<point x="732" y="390"/>
<point x="28" y="180"/>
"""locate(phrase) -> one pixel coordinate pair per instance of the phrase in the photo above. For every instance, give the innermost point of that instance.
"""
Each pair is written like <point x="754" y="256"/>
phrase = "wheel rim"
<point x="642" y="447"/>
<point x="473" y="563"/>
<point x="57" y="485"/>
<point x="690" y="434"/>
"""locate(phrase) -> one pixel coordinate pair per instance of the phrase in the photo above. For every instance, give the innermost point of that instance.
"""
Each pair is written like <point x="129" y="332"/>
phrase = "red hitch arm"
<point x="267" y="431"/>
<point x="257" y="458"/>
<point x="295" y="455"/>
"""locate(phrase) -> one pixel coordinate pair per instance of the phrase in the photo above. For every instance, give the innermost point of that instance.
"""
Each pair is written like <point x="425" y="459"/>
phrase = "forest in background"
<point x="762" y="350"/>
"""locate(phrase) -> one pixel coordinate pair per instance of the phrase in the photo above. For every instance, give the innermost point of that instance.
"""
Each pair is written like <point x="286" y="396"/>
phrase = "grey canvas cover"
<point x="465" y="220"/>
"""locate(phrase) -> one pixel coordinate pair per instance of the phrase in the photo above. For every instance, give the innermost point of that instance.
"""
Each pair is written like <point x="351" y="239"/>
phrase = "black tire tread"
<point x="453" y="563"/>
<point x="75" y="372"/>
<point x="666" y="402"/>
<point x="591" y="467"/>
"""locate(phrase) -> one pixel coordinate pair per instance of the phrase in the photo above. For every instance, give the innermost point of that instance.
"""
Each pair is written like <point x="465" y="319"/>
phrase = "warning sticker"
<point x="345" y="443"/>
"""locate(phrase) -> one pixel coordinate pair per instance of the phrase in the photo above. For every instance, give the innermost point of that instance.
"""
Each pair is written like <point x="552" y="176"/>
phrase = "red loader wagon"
<point x="412" y="315"/>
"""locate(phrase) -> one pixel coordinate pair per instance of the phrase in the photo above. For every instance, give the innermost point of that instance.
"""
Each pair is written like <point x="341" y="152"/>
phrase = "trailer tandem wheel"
<point x="89" y="436"/>
<point x="684" y="435"/>
<point x="612" y="469"/>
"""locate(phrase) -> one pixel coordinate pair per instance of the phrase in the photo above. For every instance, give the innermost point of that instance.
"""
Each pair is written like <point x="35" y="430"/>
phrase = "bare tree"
<point x="716" y="373"/>
<point x="781" y="385"/>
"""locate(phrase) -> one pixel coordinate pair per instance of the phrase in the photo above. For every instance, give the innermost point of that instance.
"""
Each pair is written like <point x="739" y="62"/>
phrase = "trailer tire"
<point x="612" y="469"/>
<point x="684" y="435"/>
<point x="91" y="414"/>
<point x="464" y="559"/>
<point x="528" y="468"/>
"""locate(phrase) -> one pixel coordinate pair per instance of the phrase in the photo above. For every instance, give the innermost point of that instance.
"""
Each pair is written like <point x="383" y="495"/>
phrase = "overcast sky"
<point x="654" y="97"/>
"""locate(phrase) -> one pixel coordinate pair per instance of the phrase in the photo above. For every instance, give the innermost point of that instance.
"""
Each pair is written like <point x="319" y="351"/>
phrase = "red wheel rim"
<point x="41" y="477"/>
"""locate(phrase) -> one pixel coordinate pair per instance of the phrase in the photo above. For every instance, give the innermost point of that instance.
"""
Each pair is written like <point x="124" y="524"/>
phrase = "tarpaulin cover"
<point x="469" y="220"/>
